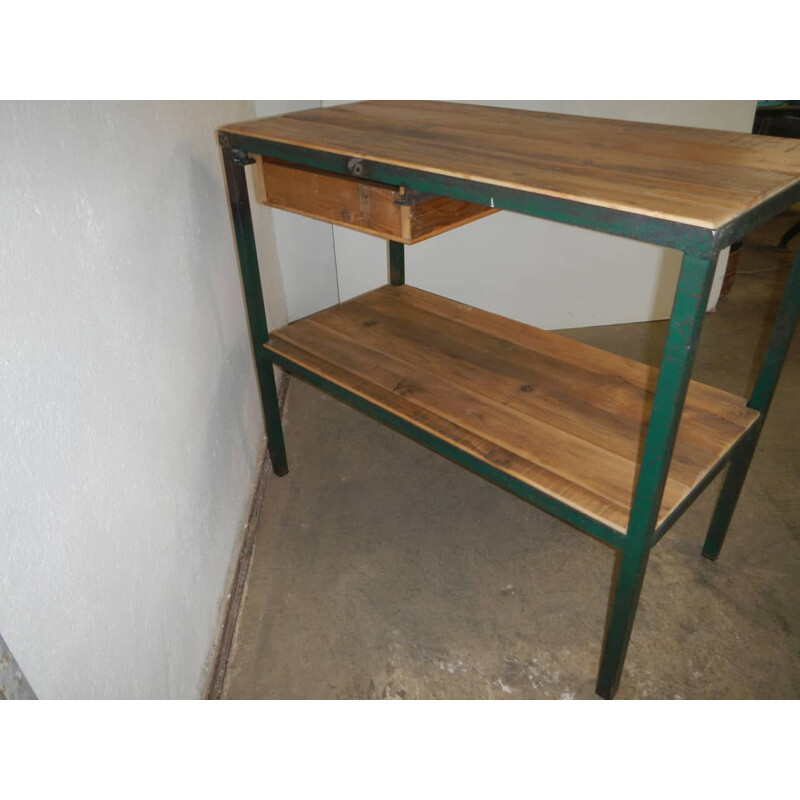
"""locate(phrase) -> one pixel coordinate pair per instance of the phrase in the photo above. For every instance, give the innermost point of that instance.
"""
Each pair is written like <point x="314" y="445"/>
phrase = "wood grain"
<point x="361" y="205"/>
<point x="561" y="416"/>
<point x="689" y="175"/>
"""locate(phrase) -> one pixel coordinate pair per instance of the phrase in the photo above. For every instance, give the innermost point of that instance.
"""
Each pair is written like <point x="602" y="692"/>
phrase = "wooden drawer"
<point x="386" y="211"/>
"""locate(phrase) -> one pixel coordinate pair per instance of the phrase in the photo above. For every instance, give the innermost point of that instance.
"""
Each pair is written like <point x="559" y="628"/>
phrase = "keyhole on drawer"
<point x="526" y="387"/>
<point x="369" y="323"/>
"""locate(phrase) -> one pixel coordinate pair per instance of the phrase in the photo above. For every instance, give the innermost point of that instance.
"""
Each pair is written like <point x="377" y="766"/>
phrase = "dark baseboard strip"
<point x="217" y="679"/>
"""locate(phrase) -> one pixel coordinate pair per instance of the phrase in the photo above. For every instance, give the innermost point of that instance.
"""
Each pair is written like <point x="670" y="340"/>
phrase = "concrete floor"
<point x="382" y="570"/>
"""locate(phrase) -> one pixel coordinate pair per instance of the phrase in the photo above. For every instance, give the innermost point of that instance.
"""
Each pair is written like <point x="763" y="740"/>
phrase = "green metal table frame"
<point x="700" y="248"/>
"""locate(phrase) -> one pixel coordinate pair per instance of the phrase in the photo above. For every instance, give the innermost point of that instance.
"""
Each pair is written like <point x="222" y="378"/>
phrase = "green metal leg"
<point x="779" y="341"/>
<point x="630" y="571"/>
<point x="760" y="400"/>
<point x="397" y="263"/>
<point x="691" y="299"/>
<point x="728" y="497"/>
<point x="254" y="300"/>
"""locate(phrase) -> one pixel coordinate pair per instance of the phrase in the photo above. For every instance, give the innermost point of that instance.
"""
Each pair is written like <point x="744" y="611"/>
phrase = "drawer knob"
<point x="355" y="166"/>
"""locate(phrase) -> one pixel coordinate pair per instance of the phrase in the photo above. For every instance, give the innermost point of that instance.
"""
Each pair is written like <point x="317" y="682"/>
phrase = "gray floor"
<point x="381" y="570"/>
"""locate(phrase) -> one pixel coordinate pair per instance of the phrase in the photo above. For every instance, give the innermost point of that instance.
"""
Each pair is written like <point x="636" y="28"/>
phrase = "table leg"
<point x="728" y="497"/>
<point x="254" y="301"/>
<point x="397" y="263"/>
<point x="689" y="307"/>
<point x="787" y="237"/>
<point x="760" y="400"/>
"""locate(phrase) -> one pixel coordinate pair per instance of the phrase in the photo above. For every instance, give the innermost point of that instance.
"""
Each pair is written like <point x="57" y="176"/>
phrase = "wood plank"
<point x="644" y="196"/>
<point x="392" y="400"/>
<point x="360" y="205"/>
<point x="694" y="176"/>
<point x="709" y="399"/>
<point x="704" y="145"/>
<point x="565" y="421"/>
<point x="439" y="215"/>
<point x="518" y="383"/>
<point x="622" y="388"/>
<point x="653" y="168"/>
<point x="559" y="453"/>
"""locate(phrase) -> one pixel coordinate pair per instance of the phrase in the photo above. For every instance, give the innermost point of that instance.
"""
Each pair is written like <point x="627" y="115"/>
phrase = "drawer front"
<point x="385" y="211"/>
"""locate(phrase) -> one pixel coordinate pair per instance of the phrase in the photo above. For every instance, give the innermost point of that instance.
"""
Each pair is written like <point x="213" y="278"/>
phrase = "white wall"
<point x="131" y="426"/>
<point x="535" y="271"/>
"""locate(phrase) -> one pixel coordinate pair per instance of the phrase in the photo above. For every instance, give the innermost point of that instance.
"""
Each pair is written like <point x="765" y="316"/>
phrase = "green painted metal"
<point x="689" y="307"/>
<point x="780" y="338"/>
<point x="689" y="238"/>
<point x="448" y="450"/>
<point x="626" y="587"/>
<point x="688" y="310"/>
<point x="761" y="399"/>
<point x="732" y="454"/>
<point x="728" y="497"/>
<point x="397" y="263"/>
<point x="254" y="301"/>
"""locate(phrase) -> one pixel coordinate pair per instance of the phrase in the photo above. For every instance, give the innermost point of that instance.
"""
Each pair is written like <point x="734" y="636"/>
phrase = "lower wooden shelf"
<point x="562" y="417"/>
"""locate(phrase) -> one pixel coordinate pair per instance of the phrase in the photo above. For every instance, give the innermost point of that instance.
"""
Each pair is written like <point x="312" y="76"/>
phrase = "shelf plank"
<point x="561" y="416"/>
<point x="693" y="176"/>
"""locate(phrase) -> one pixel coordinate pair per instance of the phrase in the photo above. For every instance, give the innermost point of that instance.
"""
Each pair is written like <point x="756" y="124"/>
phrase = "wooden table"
<point x="616" y="448"/>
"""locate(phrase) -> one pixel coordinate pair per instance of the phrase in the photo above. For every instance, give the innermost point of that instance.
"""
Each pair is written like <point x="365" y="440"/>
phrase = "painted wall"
<point x="535" y="271"/>
<point x="131" y="427"/>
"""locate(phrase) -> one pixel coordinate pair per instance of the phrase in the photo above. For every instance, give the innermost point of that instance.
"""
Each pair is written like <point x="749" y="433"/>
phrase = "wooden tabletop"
<point x="694" y="176"/>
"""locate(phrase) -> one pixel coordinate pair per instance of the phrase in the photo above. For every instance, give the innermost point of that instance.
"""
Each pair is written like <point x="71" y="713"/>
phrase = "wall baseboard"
<point x="222" y="650"/>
